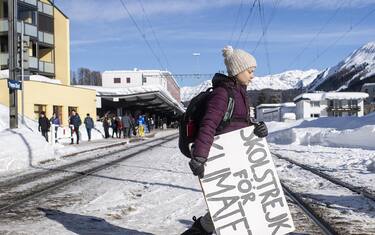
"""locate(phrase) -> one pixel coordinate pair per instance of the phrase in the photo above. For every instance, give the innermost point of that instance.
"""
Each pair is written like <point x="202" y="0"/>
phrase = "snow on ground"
<point x="153" y="193"/>
<point x="329" y="131"/>
<point x="28" y="147"/>
<point x="347" y="212"/>
<point x="156" y="193"/>
<point x="342" y="147"/>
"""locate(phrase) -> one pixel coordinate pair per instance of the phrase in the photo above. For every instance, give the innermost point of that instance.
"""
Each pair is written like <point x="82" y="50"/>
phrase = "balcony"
<point x="4" y="58"/>
<point x="343" y="109"/>
<point x="29" y="29"/>
<point x="46" y="67"/>
<point x="45" y="8"/>
<point x="33" y="3"/>
<point x="33" y="62"/>
<point x="45" y="37"/>
<point x="3" y="25"/>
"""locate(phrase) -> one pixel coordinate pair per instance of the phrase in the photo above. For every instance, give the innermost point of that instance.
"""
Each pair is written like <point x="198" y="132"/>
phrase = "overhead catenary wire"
<point x="142" y="34"/>
<point x="262" y="20"/>
<point x="339" y="7"/>
<point x="236" y="22"/>
<point x="340" y="38"/>
<point x="246" y="22"/>
<point x="264" y="31"/>
<point x="154" y="34"/>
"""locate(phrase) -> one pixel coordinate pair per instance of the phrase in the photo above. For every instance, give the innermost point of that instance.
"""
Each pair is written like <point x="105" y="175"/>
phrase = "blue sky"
<point x="103" y="37"/>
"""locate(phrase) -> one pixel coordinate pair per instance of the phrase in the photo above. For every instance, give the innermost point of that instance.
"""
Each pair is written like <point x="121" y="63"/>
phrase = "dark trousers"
<point x="45" y="134"/>
<point x="106" y="132"/>
<point x="114" y="130"/>
<point x="75" y="130"/>
<point x="127" y="132"/>
<point x="88" y="133"/>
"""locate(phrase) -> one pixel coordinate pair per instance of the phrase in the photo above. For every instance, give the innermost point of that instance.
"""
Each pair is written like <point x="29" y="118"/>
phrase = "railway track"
<point x="359" y="190"/>
<point x="323" y="226"/>
<point x="12" y="198"/>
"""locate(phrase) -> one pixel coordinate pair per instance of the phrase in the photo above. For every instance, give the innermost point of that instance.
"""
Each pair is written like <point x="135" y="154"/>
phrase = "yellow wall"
<point x="62" y="47"/>
<point x="50" y="95"/>
<point x="46" y="55"/>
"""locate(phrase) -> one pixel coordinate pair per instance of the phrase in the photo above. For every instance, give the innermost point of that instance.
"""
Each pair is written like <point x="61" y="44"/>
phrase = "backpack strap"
<point x="230" y="108"/>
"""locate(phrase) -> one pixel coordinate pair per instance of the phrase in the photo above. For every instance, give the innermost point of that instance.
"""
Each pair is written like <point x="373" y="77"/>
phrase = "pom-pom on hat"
<point x="237" y="60"/>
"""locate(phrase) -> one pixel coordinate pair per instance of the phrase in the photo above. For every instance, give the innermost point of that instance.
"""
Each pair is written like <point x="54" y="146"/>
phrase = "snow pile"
<point x="40" y="78"/>
<point x="363" y="57"/>
<point x="4" y="74"/>
<point x="350" y="132"/>
<point x="22" y="147"/>
<point x="318" y="96"/>
<point x="29" y="147"/>
<point x="294" y="79"/>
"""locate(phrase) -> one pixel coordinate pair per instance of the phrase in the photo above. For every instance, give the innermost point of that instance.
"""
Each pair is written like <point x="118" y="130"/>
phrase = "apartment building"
<point x="47" y="29"/>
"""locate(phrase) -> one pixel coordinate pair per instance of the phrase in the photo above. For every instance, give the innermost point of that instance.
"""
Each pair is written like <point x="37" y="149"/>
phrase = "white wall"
<point x="152" y="78"/>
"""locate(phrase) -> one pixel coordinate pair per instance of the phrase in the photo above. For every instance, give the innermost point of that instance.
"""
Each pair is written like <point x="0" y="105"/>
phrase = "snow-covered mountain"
<point x="350" y="73"/>
<point x="284" y="81"/>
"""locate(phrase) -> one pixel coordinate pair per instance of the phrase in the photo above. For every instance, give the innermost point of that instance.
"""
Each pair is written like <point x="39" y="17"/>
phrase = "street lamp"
<point x="197" y="54"/>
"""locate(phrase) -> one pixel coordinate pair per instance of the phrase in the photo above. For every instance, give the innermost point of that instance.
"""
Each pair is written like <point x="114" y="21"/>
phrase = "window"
<point x="45" y="23"/>
<point x="127" y="80"/>
<point x="5" y="7"/>
<point x="314" y="115"/>
<point x="38" y="108"/>
<point x="117" y="80"/>
<point x="144" y="80"/>
<point x="353" y="103"/>
<point x="71" y="108"/>
<point x="4" y="44"/>
<point x="315" y="103"/>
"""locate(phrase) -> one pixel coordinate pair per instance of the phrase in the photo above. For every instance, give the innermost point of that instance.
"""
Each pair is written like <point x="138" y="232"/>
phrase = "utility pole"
<point x="12" y="45"/>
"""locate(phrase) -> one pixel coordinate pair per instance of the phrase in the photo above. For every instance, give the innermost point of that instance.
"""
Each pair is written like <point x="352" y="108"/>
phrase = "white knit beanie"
<point x="237" y="60"/>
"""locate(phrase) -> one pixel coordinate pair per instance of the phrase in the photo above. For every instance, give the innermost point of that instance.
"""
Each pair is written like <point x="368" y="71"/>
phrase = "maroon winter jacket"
<point x="216" y="108"/>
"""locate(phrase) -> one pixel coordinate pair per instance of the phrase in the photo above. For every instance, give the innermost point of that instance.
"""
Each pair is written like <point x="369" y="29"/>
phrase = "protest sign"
<point x="242" y="188"/>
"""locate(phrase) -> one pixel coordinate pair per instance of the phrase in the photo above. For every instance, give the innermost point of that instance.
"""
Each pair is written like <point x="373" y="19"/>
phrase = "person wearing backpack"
<point x="226" y="109"/>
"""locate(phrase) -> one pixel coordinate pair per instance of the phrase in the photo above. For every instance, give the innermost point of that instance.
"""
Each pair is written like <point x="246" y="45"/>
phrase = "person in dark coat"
<point x="75" y="122"/>
<point x="89" y="124"/>
<point x="114" y="127"/>
<point x="44" y="125"/>
<point x="240" y="66"/>
<point x="106" y="127"/>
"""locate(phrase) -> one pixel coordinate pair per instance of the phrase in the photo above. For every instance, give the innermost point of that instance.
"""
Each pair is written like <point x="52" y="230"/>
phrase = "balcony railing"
<point x="45" y="37"/>
<point x="343" y="109"/>
<point x="33" y="62"/>
<point x="3" y="25"/>
<point x="46" y="67"/>
<point x="29" y="29"/>
<point x="45" y="8"/>
<point x="4" y="58"/>
<point x="31" y="2"/>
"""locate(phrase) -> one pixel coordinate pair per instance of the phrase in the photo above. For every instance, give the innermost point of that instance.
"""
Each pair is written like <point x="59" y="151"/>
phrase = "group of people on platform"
<point x="44" y="125"/>
<point x="128" y="125"/>
<point x="125" y="126"/>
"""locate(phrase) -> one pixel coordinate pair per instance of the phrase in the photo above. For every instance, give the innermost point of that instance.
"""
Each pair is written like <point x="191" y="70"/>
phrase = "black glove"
<point x="260" y="129"/>
<point x="197" y="166"/>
